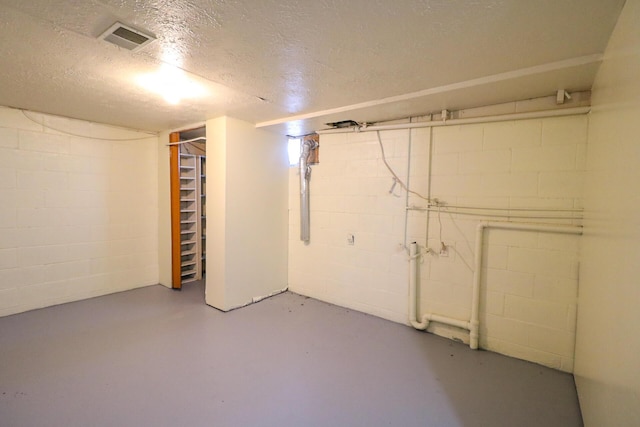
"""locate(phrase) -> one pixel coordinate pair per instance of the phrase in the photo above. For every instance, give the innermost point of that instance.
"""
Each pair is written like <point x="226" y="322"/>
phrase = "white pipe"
<point x="413" y="277"/>
<point x="414" y="255"/>
<point x="445" y="206"/>
<point x="473" y="326"/>
<point x="474" y="331"/>
<point x="477" y="273"/>
<point x="470" y="120"/>
<point x="406" y="193"/>
<point x="485" y="214"/>
<point x="349" y="129"/>
<point x="429" y="169"/>
<point x="413" y="300"/>
<point x="561" y="229"/>
<point x="448" y="321"/>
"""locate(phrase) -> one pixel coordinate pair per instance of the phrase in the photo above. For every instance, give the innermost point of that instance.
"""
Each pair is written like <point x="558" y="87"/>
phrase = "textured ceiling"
<point x="312" y="61"/>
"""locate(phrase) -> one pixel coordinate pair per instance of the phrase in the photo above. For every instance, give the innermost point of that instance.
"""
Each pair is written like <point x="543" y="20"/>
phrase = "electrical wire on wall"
<point x="191" y="143"/>
<point x="554" y="220"/>
<point x="508" y="214"/>
<point x="403" y="185"/>
<point x="150" y="134"/>
<point x="395" y="176"/>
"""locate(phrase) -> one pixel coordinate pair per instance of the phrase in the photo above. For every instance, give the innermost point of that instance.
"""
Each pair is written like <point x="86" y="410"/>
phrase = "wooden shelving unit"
<point x="202" y="211"/>
<point x="189" y="220"/>
<point x="188" y="213"/>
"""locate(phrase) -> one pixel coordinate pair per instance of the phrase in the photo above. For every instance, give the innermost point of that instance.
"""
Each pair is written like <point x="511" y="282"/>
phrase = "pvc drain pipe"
<point x="414" y="255"/>
<point x="473" y="325"/>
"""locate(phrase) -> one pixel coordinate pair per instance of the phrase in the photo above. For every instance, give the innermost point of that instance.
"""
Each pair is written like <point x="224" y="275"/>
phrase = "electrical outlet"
<point x="351" y="239"/>
<point x="444" y="251"/>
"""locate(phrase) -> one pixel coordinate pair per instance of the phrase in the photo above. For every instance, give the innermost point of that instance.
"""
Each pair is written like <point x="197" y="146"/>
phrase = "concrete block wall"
<point x="529" y="279"/>
<point x="349" y="195"/>
<point x="78" y="216"/>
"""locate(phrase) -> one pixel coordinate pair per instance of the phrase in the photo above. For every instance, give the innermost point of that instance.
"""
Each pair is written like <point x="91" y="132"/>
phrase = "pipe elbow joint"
<point x="422" y="325"/>
<point x="419" y="326"/>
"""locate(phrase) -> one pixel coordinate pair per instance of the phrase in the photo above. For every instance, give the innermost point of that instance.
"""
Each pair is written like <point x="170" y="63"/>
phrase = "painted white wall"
<point x="216" y="212"/>
<point x="164" y="211"/>
<point x="246" y="213"/>
<point x="529" y="280"/>
<point x="78" y="216"/>
<point x="608" y="342"/>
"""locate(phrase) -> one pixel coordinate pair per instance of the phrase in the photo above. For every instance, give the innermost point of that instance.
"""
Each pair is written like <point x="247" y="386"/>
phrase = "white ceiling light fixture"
<point x="172" y="83"/>
<point x="126" y="37"/>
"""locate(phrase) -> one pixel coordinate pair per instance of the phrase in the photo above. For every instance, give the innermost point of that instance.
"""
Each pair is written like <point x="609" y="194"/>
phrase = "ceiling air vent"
<point x="126" y="37"/>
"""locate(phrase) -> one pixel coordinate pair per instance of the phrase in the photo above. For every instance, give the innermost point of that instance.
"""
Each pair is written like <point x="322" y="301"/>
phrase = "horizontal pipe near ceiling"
<point x="484" y="119"/>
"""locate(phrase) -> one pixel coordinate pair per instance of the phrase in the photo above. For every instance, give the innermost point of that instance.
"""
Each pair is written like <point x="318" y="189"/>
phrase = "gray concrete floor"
<point x="156" y="357"/>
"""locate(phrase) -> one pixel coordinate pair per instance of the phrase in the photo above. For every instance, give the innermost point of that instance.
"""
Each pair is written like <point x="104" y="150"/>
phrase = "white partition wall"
<point x="246" y="213"/>
<point x="607" y="367"/>
<point x="164" y="211"/>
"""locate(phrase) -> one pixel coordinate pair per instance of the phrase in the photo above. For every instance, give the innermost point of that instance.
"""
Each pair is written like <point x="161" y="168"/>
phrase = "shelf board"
<point x="192" y="178"/>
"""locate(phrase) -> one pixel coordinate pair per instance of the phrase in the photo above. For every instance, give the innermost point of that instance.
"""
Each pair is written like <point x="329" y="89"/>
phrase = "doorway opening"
<point x="188" y="206"/>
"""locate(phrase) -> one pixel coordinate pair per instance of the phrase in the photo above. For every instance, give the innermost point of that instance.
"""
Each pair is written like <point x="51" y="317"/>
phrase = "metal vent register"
<point x="126" y="37"/>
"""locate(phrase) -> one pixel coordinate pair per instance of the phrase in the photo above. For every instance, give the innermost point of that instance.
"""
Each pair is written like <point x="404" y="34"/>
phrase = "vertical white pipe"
<point x="474" y="324"/>
<point x="477" y="274"/>
<point x="406" y="193"/>
<point x="429" y="169"/>
<point x="413" y="287"/>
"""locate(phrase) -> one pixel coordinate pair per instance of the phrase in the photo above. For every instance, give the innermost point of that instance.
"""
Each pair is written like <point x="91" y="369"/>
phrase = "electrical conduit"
<point x="305" y="175"/>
